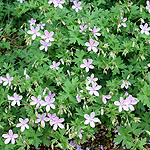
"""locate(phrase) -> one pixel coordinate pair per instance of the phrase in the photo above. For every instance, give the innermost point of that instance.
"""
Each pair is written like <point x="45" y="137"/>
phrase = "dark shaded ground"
<point x="101" y="142"/>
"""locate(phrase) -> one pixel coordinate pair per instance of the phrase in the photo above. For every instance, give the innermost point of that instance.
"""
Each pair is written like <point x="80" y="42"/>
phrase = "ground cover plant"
<point x="70" y="67"/>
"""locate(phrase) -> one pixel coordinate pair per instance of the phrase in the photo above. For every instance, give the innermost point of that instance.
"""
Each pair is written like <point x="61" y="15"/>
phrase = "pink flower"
<point x="42" y="118"/>
<point x="129" y="101"/>
<point x="122" y="24"/>
<point x="32" y="22"/>
<point x="120" y="104"/>
<point x="45" y="45"/>
<point x="148" y="6"/>
<point x="87" y="64"/>
<point x="95" y="31"/>
<point x="104" y="97"/>
<point x="58" y="3"/>
<point x="27" y="77"/>
<point x="55" y="65"/>
<point x="90" y="119"/>
<point x="91" y="79"/>
<point x="10" y="137"/>
<point x="34" y="31"/>
<point x="125" y="84"/>
<point x="48" y="36"/>
<point x="51" y="118"/>
<point x="92" y="45"/>
<point x="37" y="101"/>
<point x="49" y="103"/>
<point x="57" y="123"/>
<point x="23" y="124"/>
<point x="93" y="89"/>
<point x="145" y="29"/>
<point x="77" y="6"/>
<point x="16" y="99"/>
<point x="41" y="25"/>
<point x="83" y="28"/>
<point x="7" y="80"/>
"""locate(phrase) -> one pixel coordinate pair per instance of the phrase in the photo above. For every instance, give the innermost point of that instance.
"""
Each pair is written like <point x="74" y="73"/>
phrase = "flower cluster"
<point x="35" y="32"/>
<point x="126" y="104"/>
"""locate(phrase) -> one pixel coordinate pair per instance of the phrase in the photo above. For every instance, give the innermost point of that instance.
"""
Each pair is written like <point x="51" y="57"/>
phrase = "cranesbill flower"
<point x="148" y="6"/>
<point x="55" y="65"/>
<point x="90" y="119"/>
<point x="95" y="30"/>
<point x="37" y="101"/>
<point x="92" y="45"/>
<point x="16" y="99"/>
<point x="7" y="80"/>
<point x="58" y="3"/>
<point x="125" y="84"/>
<point x="41" y="25"/>
<point x="77" y="6"/>
<point x="123" y="20"/>
<point x="49" y="103"/>
<point x="58" y="123"/>
<point x="10" y="137"/>
<point x="145" y="29"/>
<point x="42" y="118"/>
<point x="91" y="79"/>
<point x="129" y="101"/>
<point x="34" y="31"/>
<point x="104" y="97"/>
<point x="32" y="22"/>
<point x="120" y="104"/>
<point x="23" y="124"/>
<point x="51" y="118"/>
<point x="48" y="36"/>
<point x="83" y="28"/>
<point x="93" y="89"/>
<point x="45" y="45"/>
<point x="87" y="64"/>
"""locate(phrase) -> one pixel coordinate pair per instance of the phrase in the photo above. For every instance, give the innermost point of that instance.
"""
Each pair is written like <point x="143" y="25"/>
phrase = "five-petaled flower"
<point x="92" y="45"/>
<point x="23" y="124"/>
<point x="51" y="118"/>
<point x="10" y="137"/>
<point x="42" y="118"/>
<point x="48" y="36"/>
<point x="93" y="89"/>
<point x="145" y="29"/>
<point x="34" y="31"/>
<point x="104" y="97"/>
<point x="41" y="25"/>
<point x="57" y="123"/>
<point x="125" y="84"/>
<point x="148" y="6"/>
<point x="91" y="79"/>
<point x="16" y="99"/>
<point x="87" y="64"/>
<point x="45" y="45"/>
<point x="123" y="20"/>
<point x="55" y="65"/>
<point x="90" y="119"/>
<point x="37" y="101"/>
<point x="49" y="103"/>
<point x="32" y="22"/>
<point x="120" y="104"/>
<point x="77" y="6"/>
<point x="7" y="80"/>
<point x="57" y="3"/>
<point x="95" y="30"/>
<point x="83" y="28"/>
